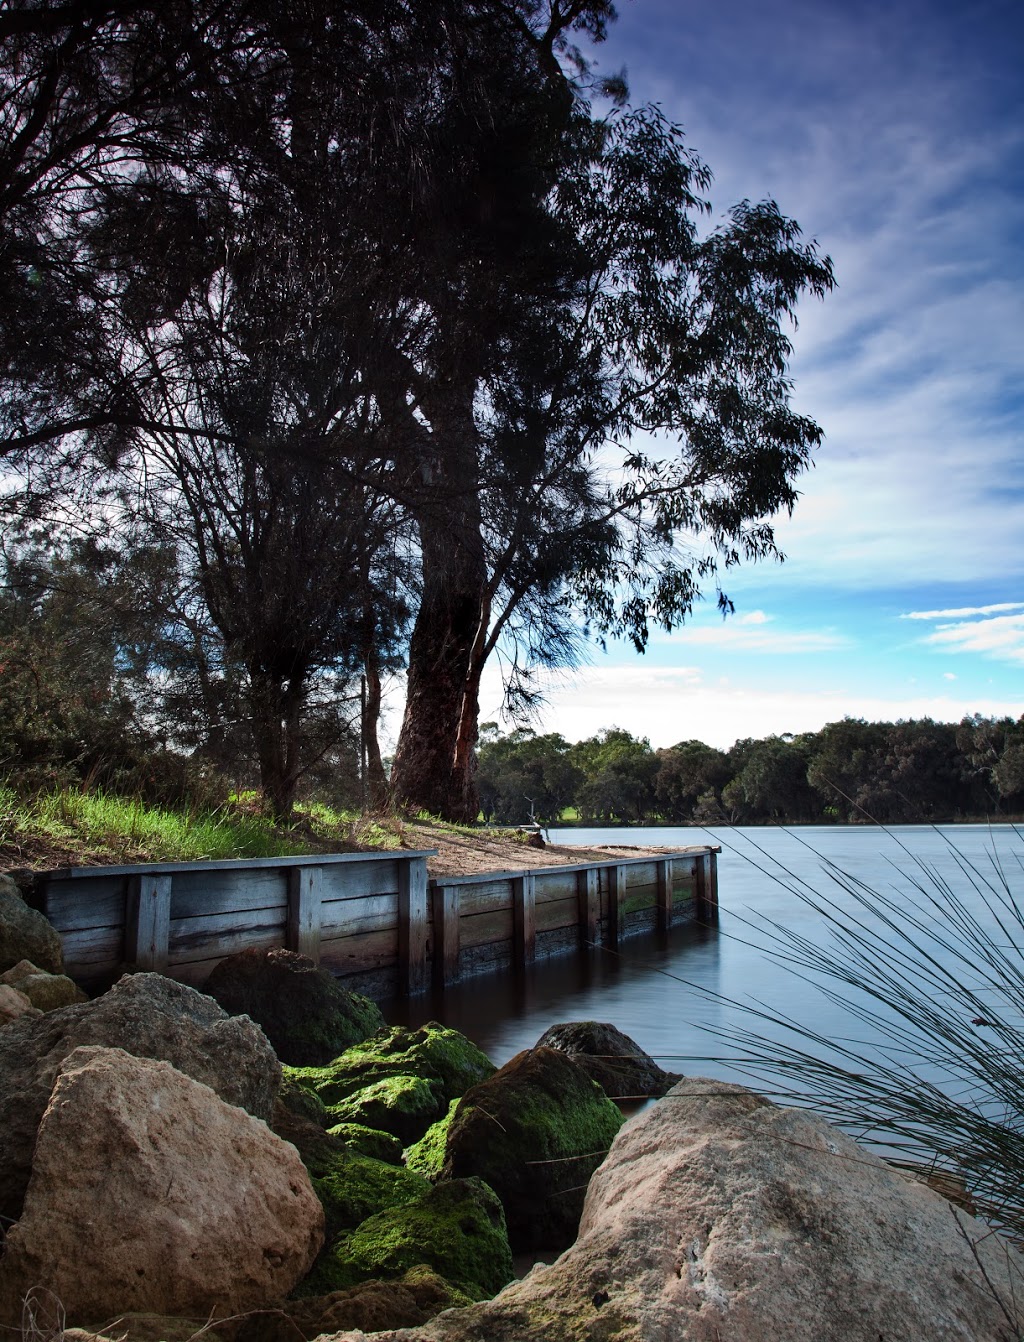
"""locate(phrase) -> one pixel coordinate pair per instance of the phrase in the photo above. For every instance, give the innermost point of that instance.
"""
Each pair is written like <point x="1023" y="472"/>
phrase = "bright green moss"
<point x="433" y="1052"/>
<point x="456" y="1228"/>
<point x="354" y="1187"/>
<point x="369" y="1142"/>
<point x="427" y="1155"/>
<point x="405" y="1106"/>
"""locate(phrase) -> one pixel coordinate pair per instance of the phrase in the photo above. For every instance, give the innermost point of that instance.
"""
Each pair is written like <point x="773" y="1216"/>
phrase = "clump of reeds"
<point x="934" y="1074"/>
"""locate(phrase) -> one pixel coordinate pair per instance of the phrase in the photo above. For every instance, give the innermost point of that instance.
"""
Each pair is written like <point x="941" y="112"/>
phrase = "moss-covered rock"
<point x="399" y="1080"/>
<point x="369" y="1142"/>
<point x="619" y="1066"/>
<point x="535" y="1131"/>
<point x="456" y="1228"/>
<point x="351" y="1186"/>
<point x="355" y="1187"/>
<point x="303" y="1010"/>
<point x="426" y="1156"/>
<point x="370" y="1307"/>
<point x="402" y="1105"/>
<point x="302" y="1101"/>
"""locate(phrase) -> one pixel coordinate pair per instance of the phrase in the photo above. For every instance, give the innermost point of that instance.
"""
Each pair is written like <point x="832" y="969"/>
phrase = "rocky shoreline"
<point x="268" y="1161"/>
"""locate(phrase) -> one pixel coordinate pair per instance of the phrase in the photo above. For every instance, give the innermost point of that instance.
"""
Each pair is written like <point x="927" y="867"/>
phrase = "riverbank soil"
<point x="467" y="852"/>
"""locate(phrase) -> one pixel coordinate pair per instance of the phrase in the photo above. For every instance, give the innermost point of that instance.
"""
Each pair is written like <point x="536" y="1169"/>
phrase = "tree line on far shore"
<point x="851" y="771"/>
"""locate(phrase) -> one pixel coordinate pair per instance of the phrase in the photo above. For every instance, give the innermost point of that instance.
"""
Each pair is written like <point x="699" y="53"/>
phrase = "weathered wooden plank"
<point x="638" y="899"/>
<point x="147" y="922"/>
<point x="482" y="928"/>
<point x="302" y="927"/>
<point x="524" y="919"/>
<point x="553" y="883"/>
<point x="641" y="873"/>
<point x="616" y="900"/>
<point x="371" y="913"/>
<point x="364" y="953"/>
<point x="446" y="942"/>
<point x="556" y="913"/>
<point x="484" y="898"/>
<point x="221" y="935"/>
<point x="90" y="950"/>
<point x="78" y="904"/>
<point x="589" y="905"/>
<point x="353" y="882"/>
<point x="700" y="886"/>
<point x="412" y="926"/>
<point x="666" y="894"/>
<point x="199" y="893"/>
<point x="238" y="864"/>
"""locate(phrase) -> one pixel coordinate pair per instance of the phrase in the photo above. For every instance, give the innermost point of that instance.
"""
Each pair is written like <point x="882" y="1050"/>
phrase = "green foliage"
<point x="849" y="771"/>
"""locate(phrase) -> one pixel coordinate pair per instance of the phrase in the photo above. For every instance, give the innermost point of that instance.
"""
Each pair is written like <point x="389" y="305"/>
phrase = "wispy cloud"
<point x="754" y="632"/>
<point x="1000" y="637"/>
<point x="963" y="612"/>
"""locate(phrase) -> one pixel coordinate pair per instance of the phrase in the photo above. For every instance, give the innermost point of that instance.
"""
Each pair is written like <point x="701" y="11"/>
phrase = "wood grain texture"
<point x="148" y="922"/>
<point x="302" y="927"/>
<point x="412" y="926"/>
<point x="524" y="918"/>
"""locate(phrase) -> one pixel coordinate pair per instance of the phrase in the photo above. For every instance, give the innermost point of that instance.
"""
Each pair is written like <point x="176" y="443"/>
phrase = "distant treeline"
<point x="849" y="771"/>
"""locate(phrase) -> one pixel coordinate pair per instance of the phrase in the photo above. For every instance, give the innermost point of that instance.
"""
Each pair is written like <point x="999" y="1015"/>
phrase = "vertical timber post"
<point x="616" y="902"/>
<point x="589" y="905"/>
<point x="446" y="934"/>
<point x="711" y="886"/>
<point x="524" y="921"/>
<point x="303" y="927"/>
<point x="664" y="894"/>
<point x="412" y="924"/>
<point x="147" y="930"/>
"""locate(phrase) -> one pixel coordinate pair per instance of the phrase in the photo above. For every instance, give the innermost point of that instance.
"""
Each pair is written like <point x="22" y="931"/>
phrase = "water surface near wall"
<point x="676" y="993"/>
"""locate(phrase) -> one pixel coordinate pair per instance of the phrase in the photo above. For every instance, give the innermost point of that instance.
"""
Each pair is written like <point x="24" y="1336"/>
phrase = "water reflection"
<point x="506" y="1011"/>
<point x="678" y="993"/>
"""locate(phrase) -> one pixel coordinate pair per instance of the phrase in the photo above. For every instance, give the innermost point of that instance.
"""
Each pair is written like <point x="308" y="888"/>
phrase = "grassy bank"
<point x="70" y="827"/>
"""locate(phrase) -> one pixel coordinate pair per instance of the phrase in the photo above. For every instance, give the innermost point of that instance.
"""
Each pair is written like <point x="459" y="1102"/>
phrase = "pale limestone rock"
<point x="145" y="1014"/>
<point x="718" y="1217"/>
<point x="14" y="1003"/>
<point x="149" y="1193"/>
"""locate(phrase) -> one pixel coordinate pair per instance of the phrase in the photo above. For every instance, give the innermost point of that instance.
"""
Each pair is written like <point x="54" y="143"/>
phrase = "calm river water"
<point x="674" y="994"/>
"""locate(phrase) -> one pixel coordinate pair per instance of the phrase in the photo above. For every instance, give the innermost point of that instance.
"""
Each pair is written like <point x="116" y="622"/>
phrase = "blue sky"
<point x="894" y="133"/>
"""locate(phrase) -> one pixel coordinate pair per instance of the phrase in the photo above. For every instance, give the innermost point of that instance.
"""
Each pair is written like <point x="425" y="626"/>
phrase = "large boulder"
<point x="399" y="1080"/>
<point x="45" y="991"/>
<point x="535" y="1132"/>
<point x="147" y="1015"/>
<point x="25" y="934"/>
<point x="303" y="1010"/>
<point x="456" y="1228"/>
<point x="621" y="1068"/>
<point x="718" y="1217"/>
<point x="148" y="1192"/>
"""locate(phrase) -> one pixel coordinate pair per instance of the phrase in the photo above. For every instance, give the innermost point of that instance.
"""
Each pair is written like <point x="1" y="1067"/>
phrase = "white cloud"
<point x="948" y="675"/>
<point x="962" y="612"/>
<point x="668" y="705"/>
<point x="754" y="632"/>
<point x="1001" y="637"/>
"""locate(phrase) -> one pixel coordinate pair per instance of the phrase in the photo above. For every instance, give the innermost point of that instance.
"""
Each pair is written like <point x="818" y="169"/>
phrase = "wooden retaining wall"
<point x="374" y="920"/>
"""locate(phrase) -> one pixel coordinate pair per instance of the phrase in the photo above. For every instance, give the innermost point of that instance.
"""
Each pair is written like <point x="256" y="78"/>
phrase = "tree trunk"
<point x="275" y="725"/>
<point x="376" y="778"/>
<point x="435" y="763"/>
